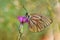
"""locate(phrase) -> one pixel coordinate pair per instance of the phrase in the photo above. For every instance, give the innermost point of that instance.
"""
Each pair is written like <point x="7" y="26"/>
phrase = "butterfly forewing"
<point x="38" y="22"/>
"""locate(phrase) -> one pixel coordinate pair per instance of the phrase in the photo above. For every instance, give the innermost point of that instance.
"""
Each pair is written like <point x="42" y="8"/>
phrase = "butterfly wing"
<point x="38" y="22"/>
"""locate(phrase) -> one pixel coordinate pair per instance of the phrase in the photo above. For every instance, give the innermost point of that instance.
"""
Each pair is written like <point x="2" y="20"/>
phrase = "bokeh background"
<point x="11" y="9"/>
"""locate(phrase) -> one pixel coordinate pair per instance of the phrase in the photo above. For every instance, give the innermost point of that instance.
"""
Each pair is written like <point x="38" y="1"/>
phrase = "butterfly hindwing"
<point x="38" y="22"/>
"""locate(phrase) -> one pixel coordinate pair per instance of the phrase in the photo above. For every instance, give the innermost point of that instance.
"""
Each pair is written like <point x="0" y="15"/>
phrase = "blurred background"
<point x="11" y="9"/>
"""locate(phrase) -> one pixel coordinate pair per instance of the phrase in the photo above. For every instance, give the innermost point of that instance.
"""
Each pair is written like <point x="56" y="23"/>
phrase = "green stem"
<point x="20" y="32"/>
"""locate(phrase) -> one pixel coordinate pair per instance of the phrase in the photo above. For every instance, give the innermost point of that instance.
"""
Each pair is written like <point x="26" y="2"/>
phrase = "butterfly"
<point x="36" y="22"/>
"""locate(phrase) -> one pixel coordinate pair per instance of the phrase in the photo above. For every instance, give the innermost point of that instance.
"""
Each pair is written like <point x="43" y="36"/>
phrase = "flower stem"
<point x="20" y="32"/>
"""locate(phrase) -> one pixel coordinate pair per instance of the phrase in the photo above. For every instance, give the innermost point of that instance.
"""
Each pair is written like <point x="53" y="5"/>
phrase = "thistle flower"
<point x="22" y="20"/>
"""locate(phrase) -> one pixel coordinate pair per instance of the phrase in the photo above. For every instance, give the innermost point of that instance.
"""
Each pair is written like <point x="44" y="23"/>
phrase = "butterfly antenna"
<point x="26" y="11"/>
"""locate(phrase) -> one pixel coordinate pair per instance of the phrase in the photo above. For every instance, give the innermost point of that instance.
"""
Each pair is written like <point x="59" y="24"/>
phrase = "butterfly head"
<point x="27" y="15"/>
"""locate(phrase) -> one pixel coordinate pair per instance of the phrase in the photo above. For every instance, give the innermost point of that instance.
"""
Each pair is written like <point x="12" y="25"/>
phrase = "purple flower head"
<point x="22" y="19"/>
